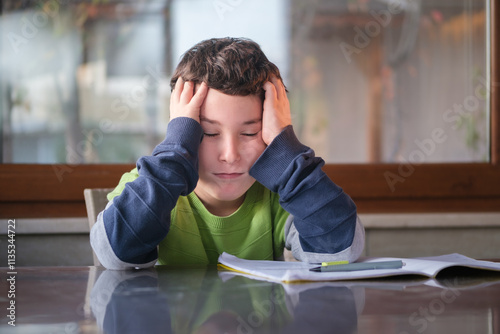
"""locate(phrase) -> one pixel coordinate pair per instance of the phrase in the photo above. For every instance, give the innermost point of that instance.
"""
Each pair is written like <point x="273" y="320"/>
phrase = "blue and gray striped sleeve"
<point x="323" y="222"/>
<point x="139" y="218"/>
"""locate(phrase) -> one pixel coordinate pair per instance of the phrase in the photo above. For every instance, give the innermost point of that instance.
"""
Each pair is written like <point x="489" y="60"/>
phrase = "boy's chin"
<point x="230" y="196"/>
<point x="227" y="192"/>
<point x="230" y="193"/>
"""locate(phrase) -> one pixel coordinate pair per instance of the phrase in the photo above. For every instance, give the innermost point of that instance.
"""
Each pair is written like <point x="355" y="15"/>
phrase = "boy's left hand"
<point x="276" y="115"/>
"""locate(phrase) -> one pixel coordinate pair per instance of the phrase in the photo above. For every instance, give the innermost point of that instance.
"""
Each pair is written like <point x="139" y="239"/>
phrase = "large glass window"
<point x="369" y="80"/>
<point x="82" y="82"/>
<point x="392" y="81"/>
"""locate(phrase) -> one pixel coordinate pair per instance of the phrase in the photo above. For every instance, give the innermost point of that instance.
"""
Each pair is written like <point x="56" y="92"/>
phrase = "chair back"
<point x="95" y="201"/>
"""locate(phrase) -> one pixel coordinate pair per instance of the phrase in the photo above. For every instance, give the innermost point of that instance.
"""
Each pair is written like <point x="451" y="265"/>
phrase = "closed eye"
<point x="251" y="134"/>
<point x="211" y="134"/>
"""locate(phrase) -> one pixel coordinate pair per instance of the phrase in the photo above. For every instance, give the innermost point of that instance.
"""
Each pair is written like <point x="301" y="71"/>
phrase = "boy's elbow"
<point x="335" y="246"/>
<point x="104" y="251"/>
<point x="358" y="241"/>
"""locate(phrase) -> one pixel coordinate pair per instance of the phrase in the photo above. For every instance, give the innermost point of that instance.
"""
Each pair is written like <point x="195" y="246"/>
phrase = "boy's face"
<point x="231" y="144"/>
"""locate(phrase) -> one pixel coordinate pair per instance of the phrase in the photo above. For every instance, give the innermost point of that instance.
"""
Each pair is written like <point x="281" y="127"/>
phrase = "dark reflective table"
<point x="207" y="300"/>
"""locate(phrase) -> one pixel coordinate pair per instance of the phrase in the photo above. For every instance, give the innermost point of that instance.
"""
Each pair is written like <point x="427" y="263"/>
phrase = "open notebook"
<point x="289" y="272"/>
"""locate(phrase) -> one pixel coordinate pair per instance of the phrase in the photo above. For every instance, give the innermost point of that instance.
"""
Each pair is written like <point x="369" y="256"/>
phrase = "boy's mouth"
<point x="228" y="176"/>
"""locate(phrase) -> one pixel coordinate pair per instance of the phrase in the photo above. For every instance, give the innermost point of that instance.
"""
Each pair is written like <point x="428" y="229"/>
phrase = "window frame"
<point x="37" y="191"/>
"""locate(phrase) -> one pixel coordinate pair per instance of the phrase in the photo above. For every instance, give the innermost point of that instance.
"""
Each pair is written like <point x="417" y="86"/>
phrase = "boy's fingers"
<point x="200" y="95"/>
<point x="187" y="92"/>
<point x="270" y="90"/>
<point x="280" y="88"/>
<point x="274" y="80"/>
<point x="178" y="88"/>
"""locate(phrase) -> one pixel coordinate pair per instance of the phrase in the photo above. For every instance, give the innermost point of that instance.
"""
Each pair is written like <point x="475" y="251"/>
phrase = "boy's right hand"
<point x="186" y="101"/>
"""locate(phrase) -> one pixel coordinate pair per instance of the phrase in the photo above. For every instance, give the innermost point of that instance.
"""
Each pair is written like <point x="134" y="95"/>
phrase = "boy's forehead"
<point x="220" y="108"/>
<point x="214" y="93"/>
<point x="250" y="121"/>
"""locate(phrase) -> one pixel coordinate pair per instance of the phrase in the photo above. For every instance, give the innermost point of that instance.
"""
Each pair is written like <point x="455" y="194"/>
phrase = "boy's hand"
<point x="276" y="114"/>
<point x="186" y="101"/>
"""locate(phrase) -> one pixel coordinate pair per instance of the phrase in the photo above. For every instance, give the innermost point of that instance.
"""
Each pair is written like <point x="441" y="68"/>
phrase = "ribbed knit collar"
<point x="232" y="221"/>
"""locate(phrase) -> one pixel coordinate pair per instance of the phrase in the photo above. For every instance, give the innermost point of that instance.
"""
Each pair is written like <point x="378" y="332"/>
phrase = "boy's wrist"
<point x="277" y="157"/>
<point x="183" y="131"/>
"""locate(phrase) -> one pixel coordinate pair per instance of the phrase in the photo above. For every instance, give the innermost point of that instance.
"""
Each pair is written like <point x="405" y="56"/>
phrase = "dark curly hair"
<point x="233" y="66"/>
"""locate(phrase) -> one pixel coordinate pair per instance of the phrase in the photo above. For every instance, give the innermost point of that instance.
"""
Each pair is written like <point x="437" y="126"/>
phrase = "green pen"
<point x="360" y="266"/>
<point x="333" y="263"/>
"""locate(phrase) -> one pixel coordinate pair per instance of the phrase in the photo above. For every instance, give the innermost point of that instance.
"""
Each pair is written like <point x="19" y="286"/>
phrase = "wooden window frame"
<point x="36" y="191"/>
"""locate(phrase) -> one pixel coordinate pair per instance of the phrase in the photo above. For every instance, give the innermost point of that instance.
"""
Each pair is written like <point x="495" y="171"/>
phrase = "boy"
<point x="197" y="195"/>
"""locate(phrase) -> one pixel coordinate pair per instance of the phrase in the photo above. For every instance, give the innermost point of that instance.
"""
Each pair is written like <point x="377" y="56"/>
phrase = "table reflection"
<point x="207" y="301"/>
<point x="199" y="299"/>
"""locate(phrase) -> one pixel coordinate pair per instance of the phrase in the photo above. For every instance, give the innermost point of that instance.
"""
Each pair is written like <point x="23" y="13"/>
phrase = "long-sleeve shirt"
<point x="154" y="215"/>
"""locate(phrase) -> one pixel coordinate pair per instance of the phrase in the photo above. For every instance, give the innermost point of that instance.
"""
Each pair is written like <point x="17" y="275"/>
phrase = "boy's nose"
<point x="230" y="151"/>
